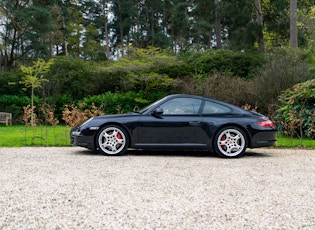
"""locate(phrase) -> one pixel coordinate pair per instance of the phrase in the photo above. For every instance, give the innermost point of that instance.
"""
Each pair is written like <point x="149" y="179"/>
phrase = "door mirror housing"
<point x="157" y="112"/>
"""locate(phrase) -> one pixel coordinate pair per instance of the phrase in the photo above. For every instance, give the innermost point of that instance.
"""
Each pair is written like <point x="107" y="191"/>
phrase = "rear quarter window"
<point x="214" y="108"/>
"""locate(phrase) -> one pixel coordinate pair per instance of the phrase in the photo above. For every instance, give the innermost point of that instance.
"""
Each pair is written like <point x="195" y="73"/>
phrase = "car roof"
<point x="234" y="107"/>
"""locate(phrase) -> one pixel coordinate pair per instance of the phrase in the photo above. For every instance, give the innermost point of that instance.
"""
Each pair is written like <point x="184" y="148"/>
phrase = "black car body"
<point x="178" y="122"/>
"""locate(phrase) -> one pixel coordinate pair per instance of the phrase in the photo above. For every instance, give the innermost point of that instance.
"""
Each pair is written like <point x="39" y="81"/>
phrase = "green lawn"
<point x="289" y="142"/>
<point x="18" y="135"/>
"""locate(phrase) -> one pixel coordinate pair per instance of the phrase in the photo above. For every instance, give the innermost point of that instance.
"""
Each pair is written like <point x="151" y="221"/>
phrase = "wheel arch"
<point x="111" y="123"/>
<point x="248" y="136"/>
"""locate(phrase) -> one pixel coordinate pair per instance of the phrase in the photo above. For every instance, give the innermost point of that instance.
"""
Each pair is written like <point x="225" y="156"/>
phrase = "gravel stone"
<point x="73" y="188"/>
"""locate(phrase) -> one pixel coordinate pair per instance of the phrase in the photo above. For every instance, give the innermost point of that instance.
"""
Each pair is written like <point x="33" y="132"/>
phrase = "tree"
<point x="124" y="11"/>
<point x="201" y="17"/>
<point x="23" y="31"/>
<point x="239" y="20"/>
<point x="34" y="78"/>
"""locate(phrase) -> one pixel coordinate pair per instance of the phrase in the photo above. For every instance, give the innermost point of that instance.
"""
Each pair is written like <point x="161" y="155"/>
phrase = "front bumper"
<point x="82" y="139"/>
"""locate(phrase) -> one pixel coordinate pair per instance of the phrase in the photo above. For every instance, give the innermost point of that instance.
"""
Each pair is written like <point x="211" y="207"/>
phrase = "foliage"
<point x="152" y="82"/>
<point x="277" y="23"/>
<point x="29" y="116"/>
<point x="225" y="61"/>
<point x="77" y="78"/>
<point x="104" y="30"/>
<point x="219" y="86"/>
<point x="34" y="75"/>
<point x="9" y="82"/>
<point x="76" y="115"/>
<point x="114" y="103"/>
<point x="34" y="78"/>
<point x="152" y="73"/>
<point x="23" y="31"/>
<point x="139" y="70"/>
<point x="243" y="29"/>
<point x="296" y="116"/>
<point x="282" y="70"/>
<point x="14" y="104"/>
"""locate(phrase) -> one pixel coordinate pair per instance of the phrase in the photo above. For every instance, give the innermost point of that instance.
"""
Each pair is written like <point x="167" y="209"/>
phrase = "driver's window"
<point x="188" y="106"/>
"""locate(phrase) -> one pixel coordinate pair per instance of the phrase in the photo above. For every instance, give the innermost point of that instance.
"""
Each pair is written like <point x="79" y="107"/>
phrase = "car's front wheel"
<point x="230" y="142"/>
<point x="112" y="140"/>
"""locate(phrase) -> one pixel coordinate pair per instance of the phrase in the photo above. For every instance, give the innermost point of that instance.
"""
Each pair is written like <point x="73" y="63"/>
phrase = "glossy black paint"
<point x="153" y="128"/>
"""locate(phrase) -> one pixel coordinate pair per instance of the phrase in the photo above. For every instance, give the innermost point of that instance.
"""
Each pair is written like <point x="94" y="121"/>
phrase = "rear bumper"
<point x="264" y="139"/>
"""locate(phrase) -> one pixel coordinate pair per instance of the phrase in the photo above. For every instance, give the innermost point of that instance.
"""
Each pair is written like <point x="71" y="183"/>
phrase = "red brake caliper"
<point x="119" y="136"/>
<point x="223" y="138"/>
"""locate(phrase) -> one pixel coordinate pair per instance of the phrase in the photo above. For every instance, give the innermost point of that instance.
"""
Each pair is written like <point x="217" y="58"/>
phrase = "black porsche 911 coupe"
<point x="178" y="122"/>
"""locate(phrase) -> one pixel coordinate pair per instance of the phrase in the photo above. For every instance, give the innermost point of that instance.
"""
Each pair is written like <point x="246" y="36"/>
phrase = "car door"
<point x="180" y="125"/>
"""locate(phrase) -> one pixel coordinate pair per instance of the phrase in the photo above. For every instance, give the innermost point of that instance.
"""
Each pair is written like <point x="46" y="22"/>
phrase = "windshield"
<point x="149" y="106"/>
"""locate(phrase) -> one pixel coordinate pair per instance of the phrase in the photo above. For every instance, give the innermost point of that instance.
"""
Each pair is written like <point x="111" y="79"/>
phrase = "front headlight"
<point x="75" y="133"/>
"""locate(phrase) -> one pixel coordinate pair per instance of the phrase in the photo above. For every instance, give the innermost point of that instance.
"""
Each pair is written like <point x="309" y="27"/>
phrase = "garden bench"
<point x="6" y="118"/>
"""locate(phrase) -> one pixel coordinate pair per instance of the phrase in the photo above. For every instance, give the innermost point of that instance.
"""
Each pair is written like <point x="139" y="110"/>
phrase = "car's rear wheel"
<point x="230" y="142"/>
<point x="112" y="140"/>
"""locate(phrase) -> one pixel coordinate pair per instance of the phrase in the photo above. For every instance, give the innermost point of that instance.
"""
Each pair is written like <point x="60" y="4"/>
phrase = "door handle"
<point x="194" y="123"/>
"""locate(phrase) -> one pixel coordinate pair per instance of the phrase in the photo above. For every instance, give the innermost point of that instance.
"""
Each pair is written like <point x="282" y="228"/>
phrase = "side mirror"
<point x="157" y="112"/>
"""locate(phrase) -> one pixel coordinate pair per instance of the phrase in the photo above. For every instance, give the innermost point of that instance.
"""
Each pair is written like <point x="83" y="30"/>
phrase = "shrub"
<point x="74" y="115"/>
<point x="296" y="116"/>
<point x="78" y="78"/>
<point x="114" y="103"/>
<point x="9" y="82"/>
<point x="283" y="70"/>
<point x="14" y="104"/>
<point x="225" y="61"/>
<point x="220" y="86"/>
<point x="151" y="82"/>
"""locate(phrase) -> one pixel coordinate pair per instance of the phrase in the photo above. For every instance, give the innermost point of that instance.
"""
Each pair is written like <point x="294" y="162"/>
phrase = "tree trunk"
<point x="64" y="45"/>
<point x="218" y="25"/>
<point x="259" y="18"/>
<point x="105" y="9"/>
<point x="293" y="24"/>
<point x="121" y="29"/>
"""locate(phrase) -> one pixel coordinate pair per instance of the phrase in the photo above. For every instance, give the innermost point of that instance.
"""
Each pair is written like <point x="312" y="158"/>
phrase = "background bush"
<point x="77" y="78"/>
<point x="9" y="82"/>
<point x="282" y="70"/>
<point x="220" y="86"/>
<point x="114" y="103"/>
<point x="14" y="104"/>
<point x="296" y="116"/>
<point x="228" y="62"/>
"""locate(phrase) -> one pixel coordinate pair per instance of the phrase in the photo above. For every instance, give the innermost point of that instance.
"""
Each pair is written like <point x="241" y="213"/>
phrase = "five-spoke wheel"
<point x="230" y="142"/>
<point x="112" y="140"/>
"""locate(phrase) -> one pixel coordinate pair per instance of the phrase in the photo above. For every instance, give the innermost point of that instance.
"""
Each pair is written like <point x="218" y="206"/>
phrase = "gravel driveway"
<point x="72" y="188"/>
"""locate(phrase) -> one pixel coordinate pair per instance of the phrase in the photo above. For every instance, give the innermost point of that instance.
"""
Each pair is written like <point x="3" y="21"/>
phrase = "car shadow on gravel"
<point x="131" y="152"/>
<point x="168" y="153"/>
<point x="252" y="153"/>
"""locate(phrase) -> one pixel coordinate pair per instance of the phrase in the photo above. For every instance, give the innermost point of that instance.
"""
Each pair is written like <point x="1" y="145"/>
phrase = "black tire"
<point x="230" y="142"/>
<point x="112" y="140"/>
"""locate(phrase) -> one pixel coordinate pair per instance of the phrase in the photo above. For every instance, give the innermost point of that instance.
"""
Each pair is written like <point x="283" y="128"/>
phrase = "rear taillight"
<point x="266" y="123"/>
